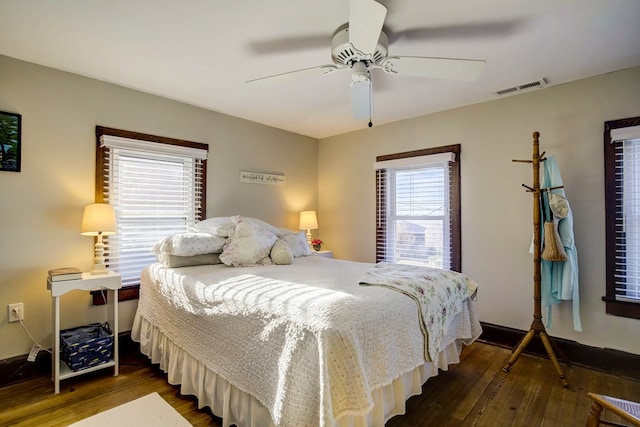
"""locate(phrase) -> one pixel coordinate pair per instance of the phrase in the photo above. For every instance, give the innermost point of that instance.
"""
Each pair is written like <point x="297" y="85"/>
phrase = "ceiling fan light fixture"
<point x="360" y="73"/>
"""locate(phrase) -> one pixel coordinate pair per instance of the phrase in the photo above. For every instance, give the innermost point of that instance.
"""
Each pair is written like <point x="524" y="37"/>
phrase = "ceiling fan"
<point x="361" y="45"/>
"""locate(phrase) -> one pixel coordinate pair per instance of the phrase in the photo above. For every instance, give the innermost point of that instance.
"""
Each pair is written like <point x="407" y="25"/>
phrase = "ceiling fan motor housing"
<point x="344" y="53"/>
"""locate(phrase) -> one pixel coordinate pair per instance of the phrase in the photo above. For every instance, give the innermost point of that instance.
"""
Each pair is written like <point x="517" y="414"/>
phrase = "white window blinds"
<point x="156" y="190"/>
<point x="627" y="183"/>
<point x="414" y="210"/>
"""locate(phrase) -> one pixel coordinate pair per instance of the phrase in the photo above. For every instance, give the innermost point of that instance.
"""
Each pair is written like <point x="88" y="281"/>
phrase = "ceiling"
<point x="202" y="52"/>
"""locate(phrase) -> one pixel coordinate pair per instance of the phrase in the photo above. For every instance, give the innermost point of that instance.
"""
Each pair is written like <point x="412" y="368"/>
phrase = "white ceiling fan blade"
<point x="362" y="99"/>
<point x="435" y="68"/>
<point x="366" y="18"/>
<point x="292" y="75"/>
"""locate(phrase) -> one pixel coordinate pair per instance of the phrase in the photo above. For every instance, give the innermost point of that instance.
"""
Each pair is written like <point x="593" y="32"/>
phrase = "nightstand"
<point x="325" y="254"/>
<point x="111" y="282"/>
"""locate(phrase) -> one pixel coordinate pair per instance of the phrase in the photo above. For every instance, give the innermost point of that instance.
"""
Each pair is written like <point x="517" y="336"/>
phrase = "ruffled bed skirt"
<point x="237" y="407"/>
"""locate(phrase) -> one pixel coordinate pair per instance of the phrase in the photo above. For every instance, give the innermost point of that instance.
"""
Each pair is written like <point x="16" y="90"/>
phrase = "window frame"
<point x="614" y="306"/>
<point x="133" y="291"/>
<point x="454" y="201"/>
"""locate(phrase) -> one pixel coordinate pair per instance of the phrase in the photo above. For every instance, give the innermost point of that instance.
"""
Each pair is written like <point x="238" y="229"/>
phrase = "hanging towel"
<point x="560" y="279"/>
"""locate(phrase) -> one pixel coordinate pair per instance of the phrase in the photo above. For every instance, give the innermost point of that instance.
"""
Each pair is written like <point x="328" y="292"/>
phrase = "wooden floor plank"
<point x="475" y="392"/>
<point x="487" y="364"/>
<point x="535" y="398"/>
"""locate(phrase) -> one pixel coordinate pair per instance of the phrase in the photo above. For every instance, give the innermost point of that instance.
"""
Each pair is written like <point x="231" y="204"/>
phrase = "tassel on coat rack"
<point x="553" y="247"/>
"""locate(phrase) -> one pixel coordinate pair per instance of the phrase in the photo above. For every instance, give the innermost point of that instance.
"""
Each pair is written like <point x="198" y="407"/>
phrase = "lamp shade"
<point x="308" y="220"/>
<point x="98" y="218"/>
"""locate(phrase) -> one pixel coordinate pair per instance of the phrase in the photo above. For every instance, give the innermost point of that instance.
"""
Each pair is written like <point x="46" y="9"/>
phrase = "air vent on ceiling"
<point x="536" y="84"/>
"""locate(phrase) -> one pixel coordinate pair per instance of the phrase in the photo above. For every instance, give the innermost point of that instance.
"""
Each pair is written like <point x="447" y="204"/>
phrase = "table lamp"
<point x="99" y="219"/>
<point x="308" y="221"/>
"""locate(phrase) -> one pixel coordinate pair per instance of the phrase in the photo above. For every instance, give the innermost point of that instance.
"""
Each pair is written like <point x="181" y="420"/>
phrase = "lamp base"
<point x="98" y="260"/>
<point x="99" y="269"/>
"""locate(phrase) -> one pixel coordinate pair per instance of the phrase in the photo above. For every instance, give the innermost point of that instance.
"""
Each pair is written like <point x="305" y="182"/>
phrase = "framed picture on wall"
<point x="10" y="140"/>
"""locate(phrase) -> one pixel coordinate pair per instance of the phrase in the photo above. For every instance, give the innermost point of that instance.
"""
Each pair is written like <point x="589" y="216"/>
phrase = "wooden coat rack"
<point x="537" y="327"/>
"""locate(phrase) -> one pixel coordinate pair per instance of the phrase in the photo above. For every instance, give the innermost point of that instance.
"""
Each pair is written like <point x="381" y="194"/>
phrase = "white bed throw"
<point x="310" y="349"/>
<point x="439" y="294"/>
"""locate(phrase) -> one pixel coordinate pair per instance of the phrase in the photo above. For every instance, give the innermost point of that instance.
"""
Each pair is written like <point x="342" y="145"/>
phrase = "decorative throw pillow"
<point x="298" y="244"/>
<point x="281" y="253"/>
<point x="248" y="245"/>
<point x="189" y="244"/>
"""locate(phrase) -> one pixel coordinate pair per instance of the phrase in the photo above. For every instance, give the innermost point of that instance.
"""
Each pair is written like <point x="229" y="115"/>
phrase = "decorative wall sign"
<point x="261" y="178"/>
<point x="10" y="136"/>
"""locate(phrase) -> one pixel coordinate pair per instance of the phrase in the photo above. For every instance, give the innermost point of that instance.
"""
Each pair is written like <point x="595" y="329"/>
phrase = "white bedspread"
<point x="305" y="339"/>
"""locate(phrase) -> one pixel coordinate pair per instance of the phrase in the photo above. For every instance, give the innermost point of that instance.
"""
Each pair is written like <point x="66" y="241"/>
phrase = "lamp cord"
<point x="33" y="339"/>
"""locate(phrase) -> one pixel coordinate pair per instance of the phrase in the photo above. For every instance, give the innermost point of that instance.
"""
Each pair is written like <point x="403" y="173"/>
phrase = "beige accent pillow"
<point x="281" y="253"/>
<point x="175" y="261"/>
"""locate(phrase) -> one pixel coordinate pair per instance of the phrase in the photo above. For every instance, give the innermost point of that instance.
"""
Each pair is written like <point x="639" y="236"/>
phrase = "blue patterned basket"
<point x="86" y="346"/>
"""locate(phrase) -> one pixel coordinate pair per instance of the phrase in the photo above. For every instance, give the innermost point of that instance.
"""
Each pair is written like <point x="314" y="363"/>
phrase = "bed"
<point x="318" y="341"/>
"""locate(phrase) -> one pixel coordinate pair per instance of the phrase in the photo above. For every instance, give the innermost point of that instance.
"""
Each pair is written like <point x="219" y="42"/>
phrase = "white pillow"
<point x="298" y="244"/>
<point x="281" y="253"/>
<point x="189" y="244"/>
<point x="248" y="245"/>
<point x="219" y="226"/>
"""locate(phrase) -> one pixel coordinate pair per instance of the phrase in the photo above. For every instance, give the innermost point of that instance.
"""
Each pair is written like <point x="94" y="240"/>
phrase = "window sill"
<point x="622" y="308"/>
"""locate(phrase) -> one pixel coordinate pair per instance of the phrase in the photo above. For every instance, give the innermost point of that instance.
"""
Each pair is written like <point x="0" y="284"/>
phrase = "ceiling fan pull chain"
<point x="370" y="103"/>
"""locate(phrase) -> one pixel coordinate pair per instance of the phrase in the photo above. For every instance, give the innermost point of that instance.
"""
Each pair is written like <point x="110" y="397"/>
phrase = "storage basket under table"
<point x="86" y="346"/>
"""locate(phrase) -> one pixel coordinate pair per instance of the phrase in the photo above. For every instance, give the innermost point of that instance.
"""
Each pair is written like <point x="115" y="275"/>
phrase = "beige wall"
<point x="496" y="211"/>
<point x="41" y="207"/>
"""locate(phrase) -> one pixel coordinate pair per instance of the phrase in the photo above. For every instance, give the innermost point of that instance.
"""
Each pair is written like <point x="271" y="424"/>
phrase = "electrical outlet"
<point x="16" y="312"/>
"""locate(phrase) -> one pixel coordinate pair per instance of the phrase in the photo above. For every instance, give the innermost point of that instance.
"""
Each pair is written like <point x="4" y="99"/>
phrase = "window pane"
<point x="420" y="243"/>
<point x="419" y="216"/>
<point x="420" y="192"/>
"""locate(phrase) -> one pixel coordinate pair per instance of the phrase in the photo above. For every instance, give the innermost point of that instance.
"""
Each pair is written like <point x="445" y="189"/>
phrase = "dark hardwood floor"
<point x="473" y="393"/>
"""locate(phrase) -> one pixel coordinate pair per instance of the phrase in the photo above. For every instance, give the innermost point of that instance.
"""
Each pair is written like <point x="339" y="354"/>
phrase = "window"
<point x="622" y="208"/>
<point x="157" y="188"/>
<point x="418" y="208"/>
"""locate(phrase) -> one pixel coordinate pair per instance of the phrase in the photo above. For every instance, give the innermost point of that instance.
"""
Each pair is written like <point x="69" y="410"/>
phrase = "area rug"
<point x="149" y="410"/>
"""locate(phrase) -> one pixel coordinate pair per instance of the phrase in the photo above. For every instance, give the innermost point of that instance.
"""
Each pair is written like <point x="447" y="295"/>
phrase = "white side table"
<point x="111" y="282"/>
<point x="325" y="254"/>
